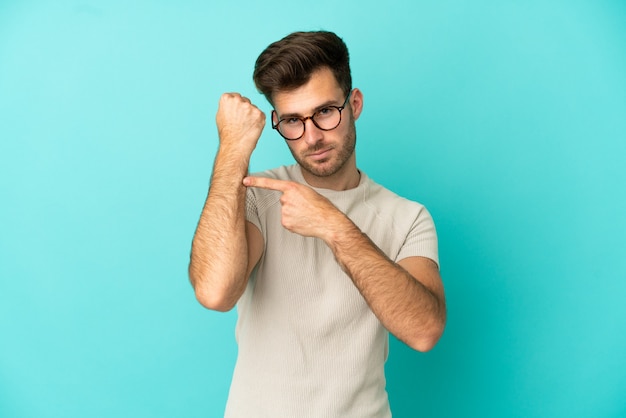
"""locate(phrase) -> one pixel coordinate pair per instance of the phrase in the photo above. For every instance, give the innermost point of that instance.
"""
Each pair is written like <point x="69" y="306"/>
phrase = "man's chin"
<point x="322" y="168"/>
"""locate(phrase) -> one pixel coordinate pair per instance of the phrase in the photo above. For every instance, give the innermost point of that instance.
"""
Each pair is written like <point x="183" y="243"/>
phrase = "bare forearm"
<point x="408" y="309"/>
<point x="219" y="266"/>
<point x="218" y="262"/>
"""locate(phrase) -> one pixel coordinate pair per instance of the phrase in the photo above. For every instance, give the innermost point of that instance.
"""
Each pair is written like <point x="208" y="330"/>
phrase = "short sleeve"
<point x="252" y="210"/>
<point x="421" y="241"/>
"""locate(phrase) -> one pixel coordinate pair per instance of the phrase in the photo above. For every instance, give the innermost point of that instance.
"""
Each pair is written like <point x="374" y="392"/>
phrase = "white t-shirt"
<point x="309" y="346"/>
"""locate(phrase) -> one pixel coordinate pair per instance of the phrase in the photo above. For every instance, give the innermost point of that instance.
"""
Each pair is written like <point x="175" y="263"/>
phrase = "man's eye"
<point x="325" y="111"/>
<point x="291" y="121"/>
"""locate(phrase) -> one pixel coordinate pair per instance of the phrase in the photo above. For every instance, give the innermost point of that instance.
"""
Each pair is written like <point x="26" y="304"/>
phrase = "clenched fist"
<point x="239" y="122"/>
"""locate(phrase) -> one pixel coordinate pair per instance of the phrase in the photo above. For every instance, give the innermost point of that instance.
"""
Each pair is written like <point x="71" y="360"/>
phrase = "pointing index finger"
<point x="265" y="183"/>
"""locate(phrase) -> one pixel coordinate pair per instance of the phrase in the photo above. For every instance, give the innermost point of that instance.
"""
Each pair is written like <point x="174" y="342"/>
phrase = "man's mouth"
<point x="320" y="154"/>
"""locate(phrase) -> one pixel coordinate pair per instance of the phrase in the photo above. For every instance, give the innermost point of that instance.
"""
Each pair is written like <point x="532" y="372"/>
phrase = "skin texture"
<point x="224" y="242"/>
<point x="407" y="297"/>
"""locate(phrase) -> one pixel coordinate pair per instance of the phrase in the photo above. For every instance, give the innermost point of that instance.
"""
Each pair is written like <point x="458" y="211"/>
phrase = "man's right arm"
<point x="226" y="247"/>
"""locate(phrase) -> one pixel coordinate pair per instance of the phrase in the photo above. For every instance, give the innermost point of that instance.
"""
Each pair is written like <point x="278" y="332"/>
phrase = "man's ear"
<point x="356" y="103"/>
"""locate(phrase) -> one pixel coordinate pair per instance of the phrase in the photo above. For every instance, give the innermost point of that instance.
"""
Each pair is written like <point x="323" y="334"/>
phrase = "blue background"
<point x="507" y="119"/>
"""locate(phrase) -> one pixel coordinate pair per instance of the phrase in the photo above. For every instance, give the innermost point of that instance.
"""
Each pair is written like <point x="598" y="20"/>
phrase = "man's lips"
<point x="320" y="154"/>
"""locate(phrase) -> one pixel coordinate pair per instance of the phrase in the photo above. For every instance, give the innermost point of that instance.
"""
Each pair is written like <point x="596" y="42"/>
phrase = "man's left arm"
<point x="407" y="297"/>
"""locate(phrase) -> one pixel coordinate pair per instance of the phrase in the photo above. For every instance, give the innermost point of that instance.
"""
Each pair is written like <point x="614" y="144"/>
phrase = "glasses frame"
<point x="304" y="119"/>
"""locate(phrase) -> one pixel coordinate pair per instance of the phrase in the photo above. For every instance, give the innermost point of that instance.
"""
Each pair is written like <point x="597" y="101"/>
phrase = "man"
<point x="321" y="261"/>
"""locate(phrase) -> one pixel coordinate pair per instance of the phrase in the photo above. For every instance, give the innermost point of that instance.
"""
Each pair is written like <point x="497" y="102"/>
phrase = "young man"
<point x="321" y="261"/>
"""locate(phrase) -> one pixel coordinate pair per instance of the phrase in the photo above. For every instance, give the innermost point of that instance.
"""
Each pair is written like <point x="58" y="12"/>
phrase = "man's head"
<point x="306" y="77"/>
<point x="289" y="63"/>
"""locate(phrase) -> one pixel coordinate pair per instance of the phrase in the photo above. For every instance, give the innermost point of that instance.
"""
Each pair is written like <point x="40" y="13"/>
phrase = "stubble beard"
<point x="321" y="168"/>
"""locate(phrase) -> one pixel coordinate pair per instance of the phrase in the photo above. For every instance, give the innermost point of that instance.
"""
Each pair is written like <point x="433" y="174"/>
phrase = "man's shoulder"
<point x="380" y="195"/>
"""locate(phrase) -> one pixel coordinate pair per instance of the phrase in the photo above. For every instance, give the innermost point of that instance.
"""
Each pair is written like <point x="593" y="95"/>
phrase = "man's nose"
<point x="312" y="134"/>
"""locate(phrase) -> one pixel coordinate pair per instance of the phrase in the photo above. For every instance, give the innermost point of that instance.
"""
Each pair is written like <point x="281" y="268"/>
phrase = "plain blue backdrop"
<point x="507" y="119"/>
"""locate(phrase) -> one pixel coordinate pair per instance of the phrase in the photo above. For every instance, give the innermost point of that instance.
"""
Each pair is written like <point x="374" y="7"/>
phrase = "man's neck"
<point x="347" y="178"/>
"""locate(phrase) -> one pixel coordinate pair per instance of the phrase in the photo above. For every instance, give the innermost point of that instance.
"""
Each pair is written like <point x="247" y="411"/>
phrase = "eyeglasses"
<point x="326" y="119"/>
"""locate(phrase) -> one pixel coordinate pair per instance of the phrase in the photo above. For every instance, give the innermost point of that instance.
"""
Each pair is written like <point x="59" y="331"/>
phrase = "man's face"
<point x="320" y="153"/>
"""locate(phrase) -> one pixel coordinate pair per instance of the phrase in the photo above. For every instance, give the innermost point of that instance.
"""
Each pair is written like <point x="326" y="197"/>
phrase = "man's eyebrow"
<point x="317" y="109"/>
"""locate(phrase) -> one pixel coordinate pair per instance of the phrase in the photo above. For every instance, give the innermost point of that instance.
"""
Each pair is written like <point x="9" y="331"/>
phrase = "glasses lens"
<point x="291" y="128"/>
<point x="327" y="118"/>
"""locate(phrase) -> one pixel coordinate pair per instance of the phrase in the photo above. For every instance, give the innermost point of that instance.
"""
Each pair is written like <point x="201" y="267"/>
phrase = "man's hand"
<point x="304" y="211"/>
<point x="239" y="122"/>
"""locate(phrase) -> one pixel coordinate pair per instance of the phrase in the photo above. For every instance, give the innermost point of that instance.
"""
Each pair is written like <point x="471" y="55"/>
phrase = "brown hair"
<point x="288" y="64"/>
